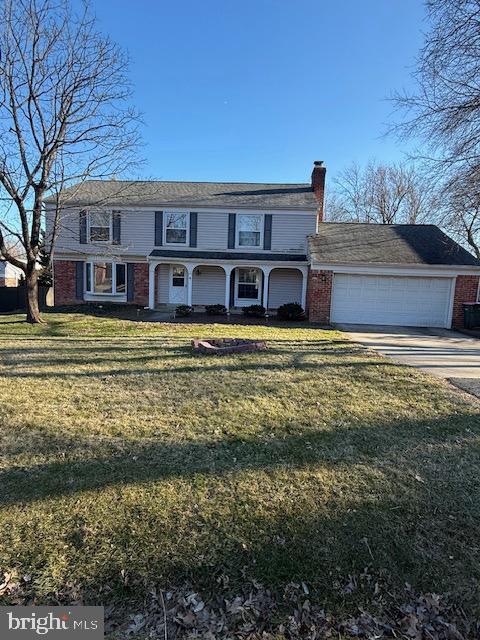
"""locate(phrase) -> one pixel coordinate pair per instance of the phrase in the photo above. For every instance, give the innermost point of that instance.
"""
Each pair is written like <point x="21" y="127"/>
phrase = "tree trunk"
<point x="472" y="243"/>
<point x="31" y="286"/>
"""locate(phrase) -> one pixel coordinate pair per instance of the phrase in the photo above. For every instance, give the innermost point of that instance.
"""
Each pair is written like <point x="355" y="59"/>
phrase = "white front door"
<point x="391" y="300"/>
<point x="247" y="286"/>
<point x="178" y="284"/>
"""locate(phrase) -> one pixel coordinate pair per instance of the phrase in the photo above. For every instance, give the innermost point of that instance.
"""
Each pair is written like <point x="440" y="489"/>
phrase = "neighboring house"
<point x="10" y="276"/>
<point x="170" y="243"/>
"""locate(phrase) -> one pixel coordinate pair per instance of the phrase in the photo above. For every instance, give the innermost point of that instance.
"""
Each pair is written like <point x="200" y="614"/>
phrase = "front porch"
<point x="234" y="285"/>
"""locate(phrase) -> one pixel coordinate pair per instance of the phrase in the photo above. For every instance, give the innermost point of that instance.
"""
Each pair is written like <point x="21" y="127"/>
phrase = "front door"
<point x="178" y="285"/>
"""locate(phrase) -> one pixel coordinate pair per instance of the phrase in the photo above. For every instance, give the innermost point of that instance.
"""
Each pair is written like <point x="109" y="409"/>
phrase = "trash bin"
<point x="471" y="315"/>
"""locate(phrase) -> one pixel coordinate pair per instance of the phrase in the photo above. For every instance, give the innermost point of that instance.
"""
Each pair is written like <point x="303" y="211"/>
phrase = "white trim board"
<point x="448" y="271"/>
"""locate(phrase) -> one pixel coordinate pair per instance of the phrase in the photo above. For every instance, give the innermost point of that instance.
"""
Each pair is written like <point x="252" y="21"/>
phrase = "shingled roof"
<point x="120" y="193"/>
<point x="344" y="242"/>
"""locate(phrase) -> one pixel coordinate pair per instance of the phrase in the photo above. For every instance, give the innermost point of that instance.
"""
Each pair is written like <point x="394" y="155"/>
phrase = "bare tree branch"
<point x="381" y="193"/>
<point x="65" y="116"/>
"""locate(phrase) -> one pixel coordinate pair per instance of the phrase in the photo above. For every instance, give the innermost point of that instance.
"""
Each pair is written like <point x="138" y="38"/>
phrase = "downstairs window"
<point x="105" y="278"/>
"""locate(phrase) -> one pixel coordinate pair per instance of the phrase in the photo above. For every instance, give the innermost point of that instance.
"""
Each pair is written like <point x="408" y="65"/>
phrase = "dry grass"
<point x="125" y="457"/>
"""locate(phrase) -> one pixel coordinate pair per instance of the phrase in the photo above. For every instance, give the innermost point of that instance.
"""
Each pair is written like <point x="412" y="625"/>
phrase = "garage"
<point x="391" y="300"/>
<point x="381" y="274"/>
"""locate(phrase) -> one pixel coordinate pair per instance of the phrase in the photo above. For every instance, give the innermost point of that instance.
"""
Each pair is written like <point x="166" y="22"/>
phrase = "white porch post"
<point x="266" y="282"/>
<point x="304" y="271"/>
<point x="190" y="268"/>
<point x="228" y="273"/>
<point x="151" y="285"/>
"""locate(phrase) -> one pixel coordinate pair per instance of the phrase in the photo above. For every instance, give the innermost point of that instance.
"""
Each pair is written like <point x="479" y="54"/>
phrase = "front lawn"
<point x="128" y="461"/>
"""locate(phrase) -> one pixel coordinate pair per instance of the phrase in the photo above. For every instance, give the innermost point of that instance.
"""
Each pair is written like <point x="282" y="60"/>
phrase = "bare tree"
<point x="381" y="193"/>
<point x="444" y="109"/>
<point x="65" y="116"/>
<point x="461" y="200"/>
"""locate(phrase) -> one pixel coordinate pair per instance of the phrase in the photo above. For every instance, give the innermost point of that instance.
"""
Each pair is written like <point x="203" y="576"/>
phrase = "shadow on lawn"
<point x="296" y="358"/>
<point x="414" y="517"/>
<point x="134" y="462"/>
<point x="150" y="354"/>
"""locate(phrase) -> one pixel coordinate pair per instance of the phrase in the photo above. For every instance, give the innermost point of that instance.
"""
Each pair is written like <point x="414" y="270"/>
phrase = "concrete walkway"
<point x="440" y="352"/>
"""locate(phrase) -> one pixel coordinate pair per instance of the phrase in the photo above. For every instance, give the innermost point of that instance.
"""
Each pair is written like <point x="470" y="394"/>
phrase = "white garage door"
<point x="395" y="300"/>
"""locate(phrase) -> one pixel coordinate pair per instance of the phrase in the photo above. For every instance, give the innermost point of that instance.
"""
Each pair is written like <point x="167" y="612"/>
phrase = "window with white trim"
<point x="249" y="230"/>
<point x="176" y="225"/>
<point x="100" y="226"/>
<point x="248" y="284"/>
<point x="105" y="278"/>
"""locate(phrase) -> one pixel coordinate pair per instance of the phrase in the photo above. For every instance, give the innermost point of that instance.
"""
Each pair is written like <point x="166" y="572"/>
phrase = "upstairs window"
<point x="176" y="228"/>
<point x="100" y="226"/>
<point x="249" y="232"/>
<point x="105" y="278"/>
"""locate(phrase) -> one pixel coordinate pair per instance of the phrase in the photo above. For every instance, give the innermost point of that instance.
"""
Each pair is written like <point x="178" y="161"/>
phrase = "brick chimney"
<point x="318" y="185"/>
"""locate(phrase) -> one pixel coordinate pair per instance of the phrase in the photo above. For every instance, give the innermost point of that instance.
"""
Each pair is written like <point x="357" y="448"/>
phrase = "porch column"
<point x="228" y="273"/>
<point x="151" y="285"/>
<point x="304" y="271"/>
<point x="266" y="281"/>
<point x="190" y="268"/>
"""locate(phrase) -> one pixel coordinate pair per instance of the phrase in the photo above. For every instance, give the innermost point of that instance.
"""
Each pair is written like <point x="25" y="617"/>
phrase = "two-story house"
<point x="159" y="243"/>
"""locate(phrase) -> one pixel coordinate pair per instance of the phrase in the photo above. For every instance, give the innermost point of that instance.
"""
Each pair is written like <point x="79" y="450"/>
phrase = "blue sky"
<point x="255" y="90"/>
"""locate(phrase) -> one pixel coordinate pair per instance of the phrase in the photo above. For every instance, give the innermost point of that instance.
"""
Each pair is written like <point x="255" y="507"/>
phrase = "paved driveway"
<point x="440" y="352"/>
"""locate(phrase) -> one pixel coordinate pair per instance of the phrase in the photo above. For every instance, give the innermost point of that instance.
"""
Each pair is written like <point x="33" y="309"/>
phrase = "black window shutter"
<point x="231" y="230"/>
<point x="158" y="228"/>
<point x="79" y="269"/>
<point x="130" y="281"/>
<point x="193" y="229"/>
<point x="267" y="232"/>
<point x="117" y="222"/>
<point x="83" y="227"/>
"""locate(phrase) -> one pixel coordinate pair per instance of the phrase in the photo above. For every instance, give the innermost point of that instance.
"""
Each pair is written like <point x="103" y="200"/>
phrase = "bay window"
<point x="249" y="232"/>
<point x="176" y="228"/>
<point x="105" y="278"/>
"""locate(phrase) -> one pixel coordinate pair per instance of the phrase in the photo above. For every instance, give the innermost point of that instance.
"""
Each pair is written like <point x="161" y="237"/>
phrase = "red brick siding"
<point x="318" y="187"/>
<point x="64" y="282"/>
<point x="466" y="290"/>
<point x="140" y="283"/>
<point x="319" y="296"/>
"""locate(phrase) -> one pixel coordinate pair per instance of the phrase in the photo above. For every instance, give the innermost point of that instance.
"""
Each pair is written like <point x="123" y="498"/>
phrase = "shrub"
<point x="183" y="311"/>
<point x="215" y="310"/>
<point x="254" y="311"/>
<point x="291" y="311"/>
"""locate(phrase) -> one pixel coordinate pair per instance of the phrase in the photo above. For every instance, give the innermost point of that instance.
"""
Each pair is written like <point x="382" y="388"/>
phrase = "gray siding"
<point x="137" y="235"/>
<point x="138" y="231"/>
<point x="209" y="286"/>
<point x="212" y="231"/>
<point x="285" y="286"/>
<point x="289" y="232"/>
<point x="163" y="275"/>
